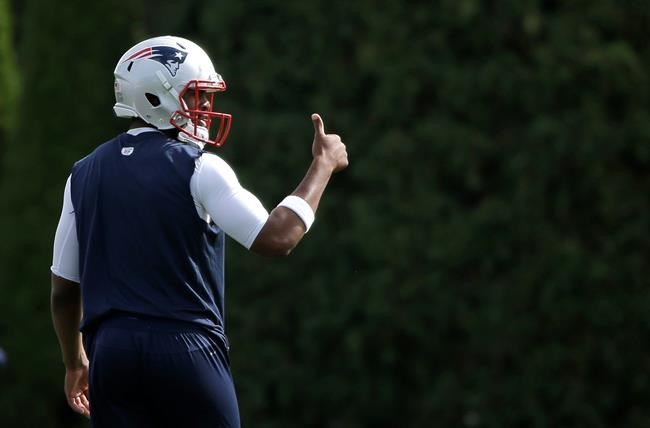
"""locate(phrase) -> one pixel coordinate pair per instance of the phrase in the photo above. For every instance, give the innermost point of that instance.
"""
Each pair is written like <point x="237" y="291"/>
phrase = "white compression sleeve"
<point x="235" y="210"/>
<point x="65" y="257"/>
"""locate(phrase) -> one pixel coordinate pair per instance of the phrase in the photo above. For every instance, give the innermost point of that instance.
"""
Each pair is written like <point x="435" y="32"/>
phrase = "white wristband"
<point x="302" y="209"/>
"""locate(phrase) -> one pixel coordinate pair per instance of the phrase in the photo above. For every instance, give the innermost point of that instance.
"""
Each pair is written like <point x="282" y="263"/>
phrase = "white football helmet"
<point x="152" y="78"/>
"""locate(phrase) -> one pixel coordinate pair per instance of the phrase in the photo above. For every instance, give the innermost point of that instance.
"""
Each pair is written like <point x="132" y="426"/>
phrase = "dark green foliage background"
<point x="483" y="262"/>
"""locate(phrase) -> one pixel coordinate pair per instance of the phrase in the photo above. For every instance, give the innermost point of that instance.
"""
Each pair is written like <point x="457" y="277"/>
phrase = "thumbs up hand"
<point x="328" y="146"/>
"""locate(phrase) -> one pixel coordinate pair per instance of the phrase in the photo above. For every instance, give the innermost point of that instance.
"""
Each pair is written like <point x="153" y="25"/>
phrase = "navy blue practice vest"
<point x="143" y="249"/>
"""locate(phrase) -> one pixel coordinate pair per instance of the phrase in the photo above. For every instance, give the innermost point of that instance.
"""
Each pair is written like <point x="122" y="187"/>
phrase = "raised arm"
<point x="289" y="221"/>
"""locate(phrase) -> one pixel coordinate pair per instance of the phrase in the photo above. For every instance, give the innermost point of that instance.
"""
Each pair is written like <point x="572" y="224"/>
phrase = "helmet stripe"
<point x="139" y="54"/>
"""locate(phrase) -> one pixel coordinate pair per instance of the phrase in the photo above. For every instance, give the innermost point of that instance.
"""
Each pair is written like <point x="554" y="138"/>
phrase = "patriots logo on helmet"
<point x="168" y="56"/>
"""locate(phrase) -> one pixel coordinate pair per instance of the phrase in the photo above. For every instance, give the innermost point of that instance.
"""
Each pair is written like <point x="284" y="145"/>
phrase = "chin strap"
<point x="189" y="137"/>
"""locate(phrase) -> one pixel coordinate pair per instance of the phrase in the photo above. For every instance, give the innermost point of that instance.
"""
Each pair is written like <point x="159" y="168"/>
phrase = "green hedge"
<point x="483" y="261"/>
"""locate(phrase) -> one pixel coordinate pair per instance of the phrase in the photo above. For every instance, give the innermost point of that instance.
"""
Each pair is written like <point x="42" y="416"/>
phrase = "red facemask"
<point x="200" y="113"/>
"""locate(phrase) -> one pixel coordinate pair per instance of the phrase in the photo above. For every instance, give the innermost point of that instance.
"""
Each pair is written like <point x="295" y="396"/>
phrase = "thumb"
<point x="319" y="127"/>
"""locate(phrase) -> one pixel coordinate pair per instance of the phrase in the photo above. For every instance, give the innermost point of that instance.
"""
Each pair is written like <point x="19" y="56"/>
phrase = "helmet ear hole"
<point x="153" y="99"/>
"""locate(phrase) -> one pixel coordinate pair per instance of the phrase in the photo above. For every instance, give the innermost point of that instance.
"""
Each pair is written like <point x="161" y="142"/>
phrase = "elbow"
<point x="282" y="249"/>
<point x="277" y="247"/>
<point x="277" y="253"/>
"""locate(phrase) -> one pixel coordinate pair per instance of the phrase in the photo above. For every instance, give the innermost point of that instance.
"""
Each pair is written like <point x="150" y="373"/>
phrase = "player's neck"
<point x="139" y="123"/>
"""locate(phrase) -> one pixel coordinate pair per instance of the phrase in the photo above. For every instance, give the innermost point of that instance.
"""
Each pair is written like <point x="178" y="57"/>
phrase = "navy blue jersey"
<point x="143" y="249"/>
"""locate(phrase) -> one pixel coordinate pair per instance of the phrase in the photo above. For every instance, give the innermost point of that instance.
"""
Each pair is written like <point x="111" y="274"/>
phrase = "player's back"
<point x="143" y="248"/>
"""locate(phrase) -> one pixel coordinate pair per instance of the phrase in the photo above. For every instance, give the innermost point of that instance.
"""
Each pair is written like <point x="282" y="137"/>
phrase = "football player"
<point x="138" y="263"/>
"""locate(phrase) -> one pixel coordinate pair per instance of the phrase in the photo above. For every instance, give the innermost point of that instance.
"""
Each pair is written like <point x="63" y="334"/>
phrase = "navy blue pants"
<point x="157" y="373"/>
